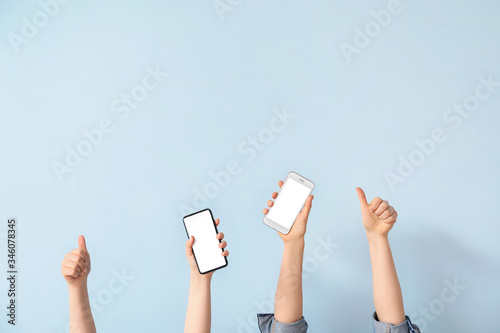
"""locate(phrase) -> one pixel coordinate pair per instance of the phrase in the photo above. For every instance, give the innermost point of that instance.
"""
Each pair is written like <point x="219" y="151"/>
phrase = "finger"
<point x="265" y="211"/>
<point x="391" y="219"/>
<point x="220" y="235"/>
<point x="362" y="198"/>
<point x="225" y="253"/>
<point x="384" y="205"/>
<point x="81" y="253"/>
<point x="81" y="243"/>
<point x="86" y="257"/>
<point x="274" y="195"/>
<point x="374" y="204"/>
<point x="66" y="271"/>
<point x="74" y="269"/>
<point x="217" y="221"/>
<point x="270" y="203"/>
<point x="189" y="246"/>
<point x="222" y="244"/>
<point x="307" y="205"/>
<point x="388" y="212"/>
<point x="280" y="183"/>
<point x="79" y="261"/>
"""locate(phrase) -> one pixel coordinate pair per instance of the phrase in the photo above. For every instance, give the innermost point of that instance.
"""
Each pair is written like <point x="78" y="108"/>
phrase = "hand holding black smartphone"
<point x="207" y="252"/>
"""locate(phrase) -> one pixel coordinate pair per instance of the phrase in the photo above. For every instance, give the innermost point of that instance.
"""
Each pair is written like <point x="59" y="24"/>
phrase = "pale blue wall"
<point x="226" y="74"/>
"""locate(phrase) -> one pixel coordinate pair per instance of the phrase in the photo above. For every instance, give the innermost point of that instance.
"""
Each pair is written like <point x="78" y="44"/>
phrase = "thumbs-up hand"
<point x="76" y="264"/>
<point x="378" y="216"/>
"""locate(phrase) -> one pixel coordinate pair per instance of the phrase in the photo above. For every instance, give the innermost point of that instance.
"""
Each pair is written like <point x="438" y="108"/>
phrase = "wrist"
<point x="299" y="241"/>
<point x="375" y="238"/>
<point x="294" y="247"/>
<point x="201" y="279"/>
<point x="82" y="285"/>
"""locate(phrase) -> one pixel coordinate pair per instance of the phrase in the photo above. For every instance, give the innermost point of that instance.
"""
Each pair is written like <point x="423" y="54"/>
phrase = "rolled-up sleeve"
<point x="405" y="327"/>
<point x="267" y="324"/>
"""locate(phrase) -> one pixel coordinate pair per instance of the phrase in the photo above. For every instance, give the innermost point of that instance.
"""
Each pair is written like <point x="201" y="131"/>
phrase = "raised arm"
<point x="75" y="269"/>
<point x="199" y="313"/>
<point x="378" y="219"/>
<point x="288" y="299"/>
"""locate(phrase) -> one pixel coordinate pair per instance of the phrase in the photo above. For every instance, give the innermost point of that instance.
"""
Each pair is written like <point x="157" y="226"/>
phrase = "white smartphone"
<point x="207" y="253"/>
<point x="289" y="202"/>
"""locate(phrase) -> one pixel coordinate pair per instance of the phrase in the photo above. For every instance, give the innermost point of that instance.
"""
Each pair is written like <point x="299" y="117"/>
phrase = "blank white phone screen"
<point x="206" y="245"/>
<point x="289" y="203"/>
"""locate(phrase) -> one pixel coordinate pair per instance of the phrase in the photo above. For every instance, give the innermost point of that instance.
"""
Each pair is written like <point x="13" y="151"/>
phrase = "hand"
<point x="299" y="227"/>
<point x="76" y="265"/>
<point x="378" y="216"/>
<point x="190" y="254"/>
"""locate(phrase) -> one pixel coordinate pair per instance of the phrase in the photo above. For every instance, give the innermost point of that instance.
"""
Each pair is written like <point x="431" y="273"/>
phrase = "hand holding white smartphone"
<point x="289" y="203"/>
<point x="206" y="250"/>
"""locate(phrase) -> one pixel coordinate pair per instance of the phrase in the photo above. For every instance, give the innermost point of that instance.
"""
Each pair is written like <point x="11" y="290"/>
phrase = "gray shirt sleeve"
<point x="267" y="324"/>
<point x="405" y="327"/>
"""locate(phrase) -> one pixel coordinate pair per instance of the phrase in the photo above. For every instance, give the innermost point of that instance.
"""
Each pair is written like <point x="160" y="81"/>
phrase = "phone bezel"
<point x="216" y="232"/>
<point x="295" y="176"/>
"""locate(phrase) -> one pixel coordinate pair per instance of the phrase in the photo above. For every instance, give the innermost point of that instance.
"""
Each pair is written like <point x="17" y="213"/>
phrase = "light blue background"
<point x="352" y="121"/>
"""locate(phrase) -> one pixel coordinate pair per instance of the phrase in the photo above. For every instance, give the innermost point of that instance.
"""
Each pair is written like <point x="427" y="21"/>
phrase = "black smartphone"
<point x="206" y="248"/>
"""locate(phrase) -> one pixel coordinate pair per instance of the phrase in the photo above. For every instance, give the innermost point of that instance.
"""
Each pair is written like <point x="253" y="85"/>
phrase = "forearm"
<point x="198" y="315"/>
<point x="80" y="314"/>
<point x="288" y="300"/>
<point x="387" y="294"/>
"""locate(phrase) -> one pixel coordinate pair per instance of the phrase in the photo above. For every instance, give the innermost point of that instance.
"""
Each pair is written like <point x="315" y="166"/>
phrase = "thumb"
<point x="362" y="198"/>
<point x="189" y="246"/>
<point x="308" y="205"/>
<point x="81" y="243"/>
